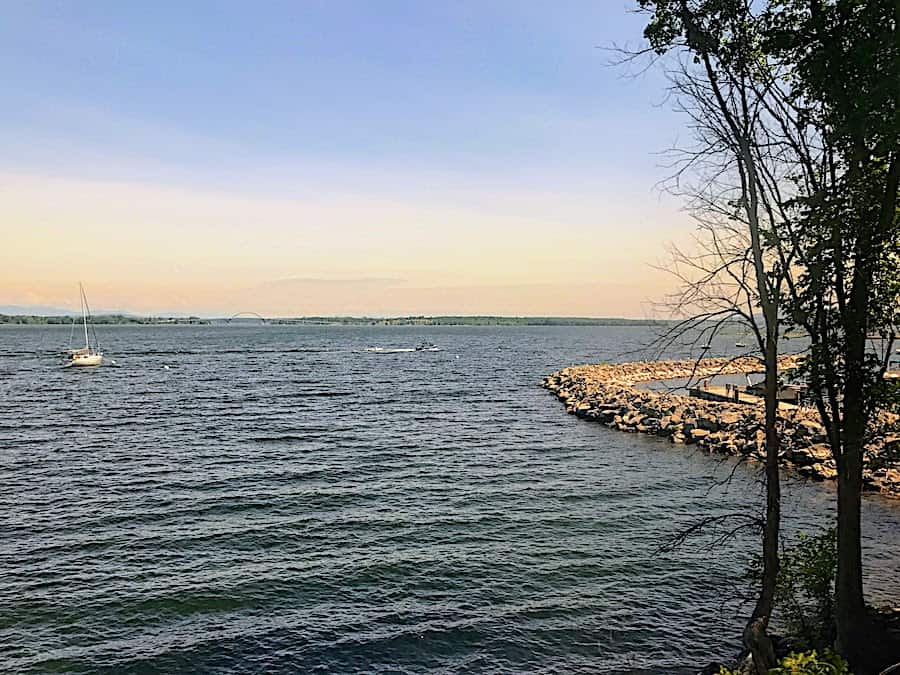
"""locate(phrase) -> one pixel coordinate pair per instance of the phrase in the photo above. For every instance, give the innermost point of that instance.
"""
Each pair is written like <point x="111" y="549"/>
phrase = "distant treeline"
<point x="466" y="321"/>
<point x="108" y="319"/>
<point x="104" y="319"/>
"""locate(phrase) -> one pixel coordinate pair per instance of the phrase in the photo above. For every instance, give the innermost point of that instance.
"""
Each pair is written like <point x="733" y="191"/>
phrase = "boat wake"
<point x="389" y="350"/>
<point x="403" y="350"/>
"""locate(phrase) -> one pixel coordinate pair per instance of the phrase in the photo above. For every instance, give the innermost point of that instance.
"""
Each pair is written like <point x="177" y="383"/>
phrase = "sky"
<point x="335" y="157"/>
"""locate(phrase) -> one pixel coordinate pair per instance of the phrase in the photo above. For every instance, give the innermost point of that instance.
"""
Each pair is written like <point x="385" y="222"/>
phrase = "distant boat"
<point x="389" y="350"/>
<point x="740" y="345"/>
<point x="424" y="347"/>
<point x="87" y="355"/>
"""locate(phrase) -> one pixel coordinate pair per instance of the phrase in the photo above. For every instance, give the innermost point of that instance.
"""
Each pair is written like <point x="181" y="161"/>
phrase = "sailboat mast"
<point x="84" y="316"/>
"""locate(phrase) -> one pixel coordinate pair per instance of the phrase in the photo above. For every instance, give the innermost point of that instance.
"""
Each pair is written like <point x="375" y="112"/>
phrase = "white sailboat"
<point x="87" y="355"/>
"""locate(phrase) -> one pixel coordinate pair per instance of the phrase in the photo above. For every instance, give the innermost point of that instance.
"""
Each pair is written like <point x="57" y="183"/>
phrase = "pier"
<point x="736" y="394"/>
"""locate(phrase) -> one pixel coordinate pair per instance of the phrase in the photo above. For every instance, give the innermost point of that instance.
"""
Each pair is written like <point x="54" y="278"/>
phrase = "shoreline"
<point x="606" y="393"/>
<point x="254" y="319"/>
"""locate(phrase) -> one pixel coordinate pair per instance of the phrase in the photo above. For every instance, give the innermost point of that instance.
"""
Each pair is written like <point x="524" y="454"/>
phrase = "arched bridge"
<point x="246" y="315"/>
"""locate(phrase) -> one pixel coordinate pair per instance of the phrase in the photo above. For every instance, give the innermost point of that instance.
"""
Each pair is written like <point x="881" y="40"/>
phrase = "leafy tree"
<point x="844" y="58"/>
<point x="810" y="115"/>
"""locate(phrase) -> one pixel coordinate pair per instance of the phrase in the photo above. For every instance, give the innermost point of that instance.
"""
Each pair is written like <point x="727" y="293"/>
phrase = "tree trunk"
<point x="850" y="610"/>
<point x="755" y="637"/>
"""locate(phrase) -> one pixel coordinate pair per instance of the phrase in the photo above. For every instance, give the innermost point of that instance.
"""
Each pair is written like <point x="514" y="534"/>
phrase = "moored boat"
<point x="87" y="355"/>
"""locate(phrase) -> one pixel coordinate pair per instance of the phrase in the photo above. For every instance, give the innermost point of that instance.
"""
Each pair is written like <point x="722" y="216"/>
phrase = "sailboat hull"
<point x="86" y="359"/>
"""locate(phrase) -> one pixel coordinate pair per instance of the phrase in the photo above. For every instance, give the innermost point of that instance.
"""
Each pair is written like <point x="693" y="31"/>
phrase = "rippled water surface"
<point x="275" y="499"/>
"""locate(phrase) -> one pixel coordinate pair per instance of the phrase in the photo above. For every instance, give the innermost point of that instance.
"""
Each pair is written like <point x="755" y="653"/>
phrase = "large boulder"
<point x="809" y="428"/>
<point x="824" y="471"/>
<point x="707" y="421"/>
<point x="650" y="410"/>
<point x="729" y="419"/>
<point x="697" y="434"/>
<point x="812" y="454"/>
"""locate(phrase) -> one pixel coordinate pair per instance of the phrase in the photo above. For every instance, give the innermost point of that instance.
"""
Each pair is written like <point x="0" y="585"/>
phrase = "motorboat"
<point x="424" y="347"/>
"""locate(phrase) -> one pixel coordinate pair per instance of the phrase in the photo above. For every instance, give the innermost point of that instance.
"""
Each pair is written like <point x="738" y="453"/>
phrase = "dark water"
<point x="277" y="501"/>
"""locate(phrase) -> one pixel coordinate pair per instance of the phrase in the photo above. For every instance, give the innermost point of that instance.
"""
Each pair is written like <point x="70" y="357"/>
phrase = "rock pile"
<point x="606" y="393"/>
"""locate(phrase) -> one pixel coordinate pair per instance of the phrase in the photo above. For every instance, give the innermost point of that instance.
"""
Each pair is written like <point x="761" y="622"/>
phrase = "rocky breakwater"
<point x="606" y="393"/>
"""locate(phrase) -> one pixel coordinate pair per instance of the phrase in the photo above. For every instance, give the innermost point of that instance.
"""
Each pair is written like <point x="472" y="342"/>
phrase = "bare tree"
<point x="738" y="272"/>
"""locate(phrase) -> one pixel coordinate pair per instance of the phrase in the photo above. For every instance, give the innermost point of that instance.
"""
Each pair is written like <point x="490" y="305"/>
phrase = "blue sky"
<point x="430" y="105"/>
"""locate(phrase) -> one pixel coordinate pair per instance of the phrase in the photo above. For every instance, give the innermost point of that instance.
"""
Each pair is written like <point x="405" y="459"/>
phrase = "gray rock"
<point x="813" y="454"/>
<point x="729" y="419"/>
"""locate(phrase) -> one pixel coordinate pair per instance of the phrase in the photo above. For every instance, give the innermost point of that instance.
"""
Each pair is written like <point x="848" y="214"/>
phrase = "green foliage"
<point x="811" y="663"/>
<point x="804" y="595"/>
<point x="721" y="29"/>
<point x="844" y="63"/>
<point x="805" y="592"/>
<point x="805" y="663"/>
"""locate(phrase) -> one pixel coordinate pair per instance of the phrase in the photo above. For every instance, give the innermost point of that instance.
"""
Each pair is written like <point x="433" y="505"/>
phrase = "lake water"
<point x="275" y="499"/>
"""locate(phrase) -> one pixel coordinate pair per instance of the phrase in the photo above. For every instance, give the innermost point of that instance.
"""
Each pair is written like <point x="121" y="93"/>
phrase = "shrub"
<point x="805" y="593"/>
<point x="811" y="663"/>
<point x="805" y="663"/>
<point x="804" y="596"/>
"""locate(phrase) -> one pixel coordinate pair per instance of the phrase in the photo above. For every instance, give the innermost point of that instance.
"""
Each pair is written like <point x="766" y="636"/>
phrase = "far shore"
<point x="251" y="318"/>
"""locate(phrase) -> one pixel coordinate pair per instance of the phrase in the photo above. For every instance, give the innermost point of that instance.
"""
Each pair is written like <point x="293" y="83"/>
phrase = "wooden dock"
<point x="724" y="395"/>
<point x="727" y="395"/>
